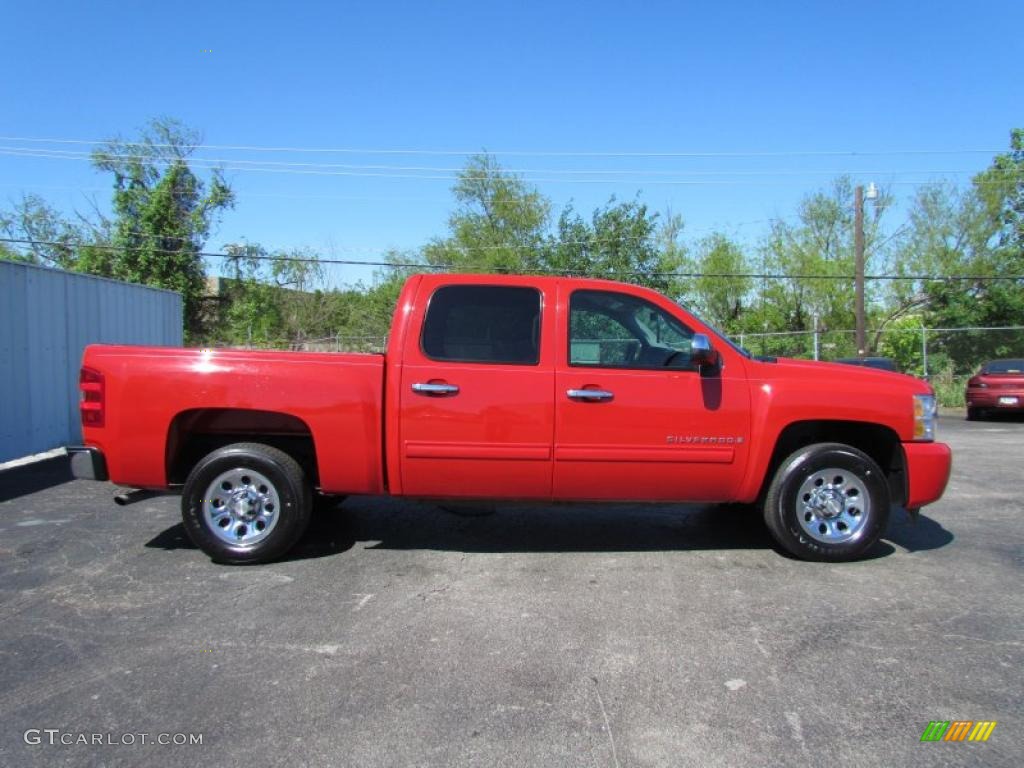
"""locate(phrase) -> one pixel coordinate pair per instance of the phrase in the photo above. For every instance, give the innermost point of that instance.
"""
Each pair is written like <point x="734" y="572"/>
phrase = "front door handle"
<point x="435" y="389"/>
<point x="593" y="395"/>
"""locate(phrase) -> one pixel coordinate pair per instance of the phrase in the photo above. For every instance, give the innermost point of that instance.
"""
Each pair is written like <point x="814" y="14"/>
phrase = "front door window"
<point x="615" y="330"/>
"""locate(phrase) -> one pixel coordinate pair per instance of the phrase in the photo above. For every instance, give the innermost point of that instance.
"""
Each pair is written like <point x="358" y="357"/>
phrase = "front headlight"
<point x="924" y="417"/>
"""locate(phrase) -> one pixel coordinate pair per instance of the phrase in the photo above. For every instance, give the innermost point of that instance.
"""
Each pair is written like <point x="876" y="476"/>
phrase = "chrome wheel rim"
<point x="833" y="505"/>
<point x="241" y="507"/>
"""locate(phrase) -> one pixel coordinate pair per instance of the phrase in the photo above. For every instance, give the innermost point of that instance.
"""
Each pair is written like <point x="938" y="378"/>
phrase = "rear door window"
<point x="483" y="324"/>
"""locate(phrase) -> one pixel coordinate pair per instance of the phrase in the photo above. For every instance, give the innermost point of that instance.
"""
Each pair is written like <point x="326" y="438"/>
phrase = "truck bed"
<point x="180" y="396"/>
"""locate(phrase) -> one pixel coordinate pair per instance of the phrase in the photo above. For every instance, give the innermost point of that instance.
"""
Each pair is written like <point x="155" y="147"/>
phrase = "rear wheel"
<point x="827" y="502"/>
<point x="246" y="503"/>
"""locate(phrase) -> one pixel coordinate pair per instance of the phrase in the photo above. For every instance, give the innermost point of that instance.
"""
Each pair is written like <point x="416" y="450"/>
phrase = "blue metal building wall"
<point x="47" y="317"/>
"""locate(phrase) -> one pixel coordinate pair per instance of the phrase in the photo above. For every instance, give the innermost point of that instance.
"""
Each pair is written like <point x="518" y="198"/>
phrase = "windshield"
<point x="1004" y="366"/>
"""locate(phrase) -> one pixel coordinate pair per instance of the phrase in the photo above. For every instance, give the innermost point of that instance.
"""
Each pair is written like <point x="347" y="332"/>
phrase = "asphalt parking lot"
<point x="402" y="634"/>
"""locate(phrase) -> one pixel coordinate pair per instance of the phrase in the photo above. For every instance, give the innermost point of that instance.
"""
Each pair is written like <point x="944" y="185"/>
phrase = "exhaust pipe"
<point x="130" y="497"/>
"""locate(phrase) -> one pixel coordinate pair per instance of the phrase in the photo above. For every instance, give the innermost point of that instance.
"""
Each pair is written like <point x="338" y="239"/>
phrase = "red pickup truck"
<point x="513" y="388"/>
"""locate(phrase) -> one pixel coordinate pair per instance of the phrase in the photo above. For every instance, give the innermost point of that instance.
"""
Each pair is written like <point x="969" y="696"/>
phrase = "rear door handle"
<point x="435" y="389"/>
<point x="589" y="394"/>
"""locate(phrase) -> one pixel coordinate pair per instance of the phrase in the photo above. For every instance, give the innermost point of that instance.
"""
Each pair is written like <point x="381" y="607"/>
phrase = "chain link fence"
<point x="946" y="357"/>
<point x="372" y="344"/>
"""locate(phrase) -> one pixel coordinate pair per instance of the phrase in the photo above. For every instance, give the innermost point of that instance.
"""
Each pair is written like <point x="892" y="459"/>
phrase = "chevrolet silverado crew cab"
<point x="513" y="388"/>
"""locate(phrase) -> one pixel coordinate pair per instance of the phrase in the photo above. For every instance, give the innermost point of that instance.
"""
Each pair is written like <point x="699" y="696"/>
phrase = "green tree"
<point x="815" y="253"/>
<point x="1001" y="189"/>
<point x="720" y="295"/>
<point x="250" y="312"/>
<point x="273" y="299"/>
<point x="947" y="232"/>
<point x="676" y="259"/>
<point x="162" y="215"/>
<point x="371" y="308"/>
<point x="902" y="341"/>
<point x="50" y="239"/>
<point x="988" y="247"/>
<point x="298" y="276"/>
<point x="362" y="315"/>
<point x="499" y="223"/>
<point x="10" y="252"/>
<point x="619" y="242"/>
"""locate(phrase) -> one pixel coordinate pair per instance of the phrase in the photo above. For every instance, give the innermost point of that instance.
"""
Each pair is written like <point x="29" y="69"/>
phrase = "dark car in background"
<point x="998" y="386"/>
<point x="882" y="363"/>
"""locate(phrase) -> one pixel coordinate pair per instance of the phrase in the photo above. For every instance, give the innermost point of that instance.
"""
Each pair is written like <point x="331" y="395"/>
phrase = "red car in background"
<point x="998" y="386"/>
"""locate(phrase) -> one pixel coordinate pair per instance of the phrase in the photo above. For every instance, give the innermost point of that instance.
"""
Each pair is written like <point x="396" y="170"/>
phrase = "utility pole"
<point x="924" y="350"/>
<point x="858" y="248"/>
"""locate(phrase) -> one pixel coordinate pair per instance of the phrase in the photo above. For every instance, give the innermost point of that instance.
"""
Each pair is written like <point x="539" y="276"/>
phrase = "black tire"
<point x="858" y="472"/>
<point x="288" y="482"/>
<point x="974" y="414"/>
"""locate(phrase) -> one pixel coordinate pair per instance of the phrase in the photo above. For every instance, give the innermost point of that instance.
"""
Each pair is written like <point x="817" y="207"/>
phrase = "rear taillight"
<point x="93" y="398"/>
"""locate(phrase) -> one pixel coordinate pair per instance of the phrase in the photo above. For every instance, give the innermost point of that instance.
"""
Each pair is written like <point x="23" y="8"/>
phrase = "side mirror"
<point x="701" y="351"/>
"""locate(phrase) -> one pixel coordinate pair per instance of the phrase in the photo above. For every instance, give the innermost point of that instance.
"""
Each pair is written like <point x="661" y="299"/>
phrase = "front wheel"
<point x="246" y="503"/>
<point x="973" y="414"/>
<point x="827" y="502"/>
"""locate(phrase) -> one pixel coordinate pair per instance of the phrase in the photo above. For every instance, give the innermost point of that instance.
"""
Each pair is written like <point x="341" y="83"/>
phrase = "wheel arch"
<point x="878" y="441"/>
<point x="194" y="433"/>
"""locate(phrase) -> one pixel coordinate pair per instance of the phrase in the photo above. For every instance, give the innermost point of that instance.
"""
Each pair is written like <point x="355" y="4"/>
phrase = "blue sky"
<point x="743" y="79"/>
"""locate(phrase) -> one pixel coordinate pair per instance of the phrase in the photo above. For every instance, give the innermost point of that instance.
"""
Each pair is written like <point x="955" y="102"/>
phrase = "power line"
<point x="504" y="247"/>
<point x="685" y="230"/>
<point x="475" y="248"/>
<point x="232" y="162"/>
<point x="446" y="246"/>
<point x="518" y="152"/>
<point x="565" y="272"/>
<point x="286" y="196"/>
<point x="193" y="162"/>
<point x="429" y="173"/>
